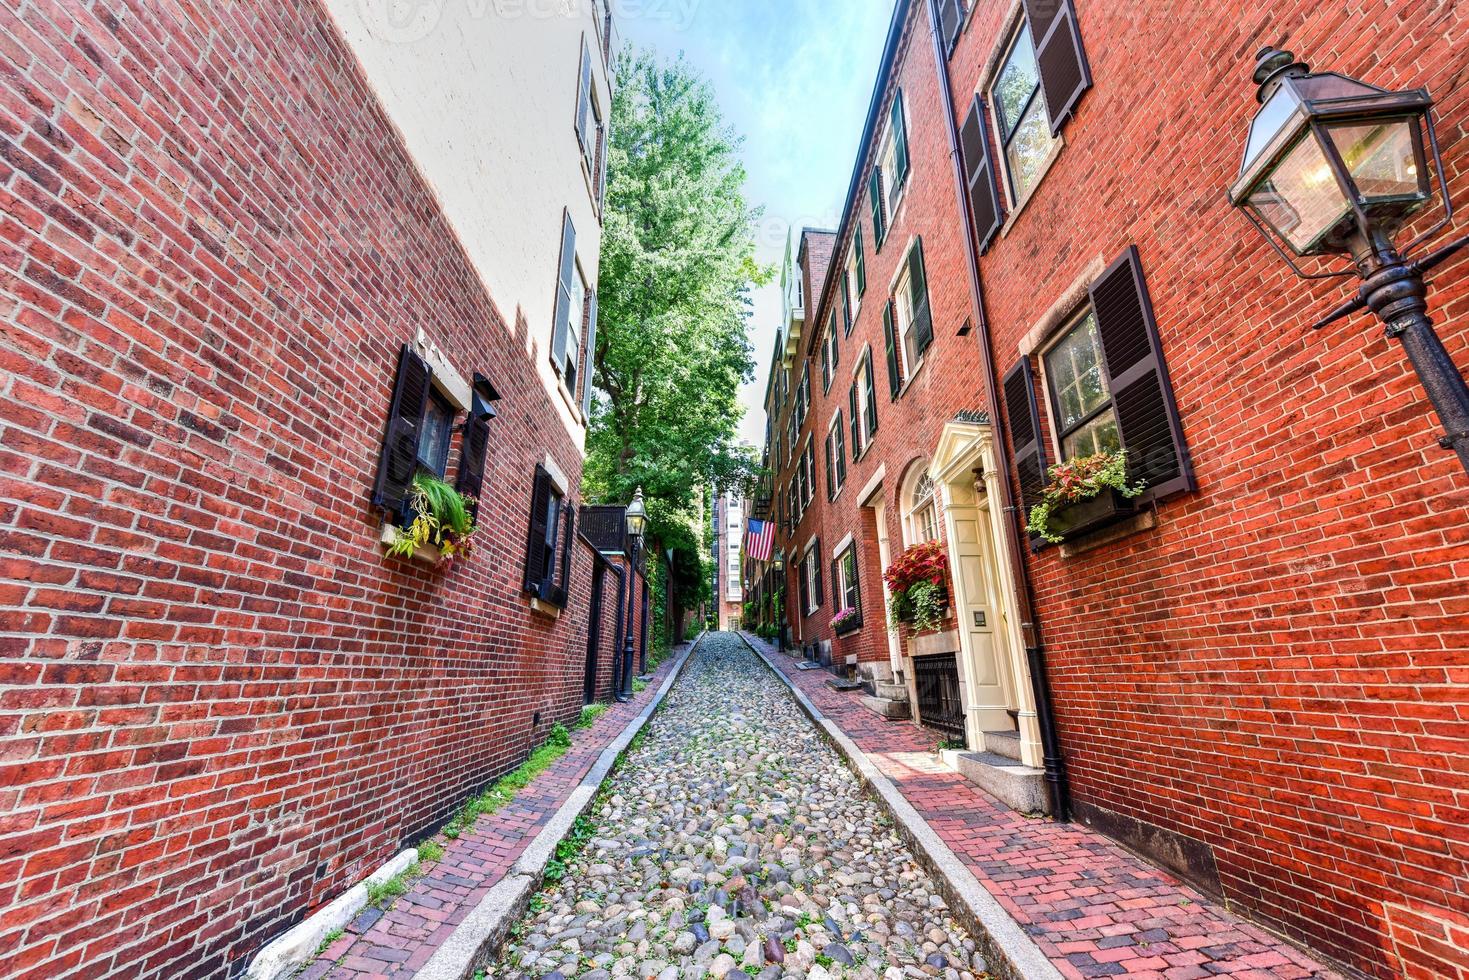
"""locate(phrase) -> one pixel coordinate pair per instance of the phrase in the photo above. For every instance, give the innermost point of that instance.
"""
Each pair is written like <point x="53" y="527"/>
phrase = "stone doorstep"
<point x="891" y="691"/>
<point x="887" y="707"/>
<point x="476" y="940"/>
<point x="1003" y="743"/>
<point x="1019" y="787"/>
<point x="1009" y="948"/>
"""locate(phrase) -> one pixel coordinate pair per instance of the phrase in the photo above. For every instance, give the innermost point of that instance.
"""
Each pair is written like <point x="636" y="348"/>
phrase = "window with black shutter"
<point x="1025" y="435"/>
<point x="911" y="315"/>
<point x="979" y="167"/>
<point x="818" y="598"/>
<point x="548" y="544"/>
<point x="874" y="197"/>
<point x="475" y="442"/>
<point x="951" y="22"/>
<point x="890" y="342"/>
<point x="846" y="591"/>
<point x="831" y="470"/>
<point x="398" y="462"/>
<point x="859" y="261"/>
<point x="1137" y="378"/>
<point x="870" y="408"/>
<point x="854" y="414"/>
<point x="1059" y="56"/>
<point x="839" y="450"/>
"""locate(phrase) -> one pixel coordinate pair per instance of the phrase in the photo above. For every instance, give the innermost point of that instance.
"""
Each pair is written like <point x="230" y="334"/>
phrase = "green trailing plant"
<point x="918" y="587"/>
<point x="441" y="516"/>
<point x="589" y="715"/>
<point x="1076" y="480"/>
<point x="505" y="788"/>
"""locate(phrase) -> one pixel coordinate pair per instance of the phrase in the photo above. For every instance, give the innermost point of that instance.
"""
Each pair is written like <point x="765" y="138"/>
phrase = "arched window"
<point x="920" y="508"/>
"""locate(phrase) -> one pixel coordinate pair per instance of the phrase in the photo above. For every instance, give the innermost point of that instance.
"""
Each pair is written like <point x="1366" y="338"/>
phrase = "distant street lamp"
<point x="778" y="600"/>
<point x="1332" y="166"/>
<point x="635" y="523"/>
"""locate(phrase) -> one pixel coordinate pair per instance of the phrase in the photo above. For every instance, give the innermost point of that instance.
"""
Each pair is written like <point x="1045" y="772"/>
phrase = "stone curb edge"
<point x="1016" y="951"/>
<point x="477" y="938"/>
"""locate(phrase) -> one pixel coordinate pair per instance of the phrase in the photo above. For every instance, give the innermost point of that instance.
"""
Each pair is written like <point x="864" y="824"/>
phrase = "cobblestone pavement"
<point x="734" y="842"/>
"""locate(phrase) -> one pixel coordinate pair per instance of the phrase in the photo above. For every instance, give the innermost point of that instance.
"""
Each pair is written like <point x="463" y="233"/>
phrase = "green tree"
<point x="677" y="267"/>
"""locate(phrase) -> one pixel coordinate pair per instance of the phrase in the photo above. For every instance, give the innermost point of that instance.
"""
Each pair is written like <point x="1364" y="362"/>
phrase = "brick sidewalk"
<point x="1093" y="908"/>
<point x="397" y="942"/>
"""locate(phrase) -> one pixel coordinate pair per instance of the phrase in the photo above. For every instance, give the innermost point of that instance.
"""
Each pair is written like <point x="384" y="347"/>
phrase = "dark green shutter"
<point x="1059" y="57"/>
<point x="1137" y="376"/>
<point x="819" y="597"/>
<point x="918" y="297"/>
<point x="1025" y="436"/>
<point x="890" y="340"/>
<point x="398" y="461"/>
<point x="839" y="451"/>
<point x="871" y="398"/>
<point x="846" y="304"/>
<point x="861" y="263"/>
<point x="951" y="20"/>
<point x="900" y="139"/>
<point x="831" y="469"/>
<point x="874" y="194"/>
<point x="836" y="588"/>
<point x="856" y="421"/>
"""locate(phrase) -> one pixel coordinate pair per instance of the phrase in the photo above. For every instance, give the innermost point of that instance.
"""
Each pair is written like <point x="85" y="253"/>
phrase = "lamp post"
<point x="1334" y="166"/>
<point x="778" y="600"/>
<point x="636" y="522"/>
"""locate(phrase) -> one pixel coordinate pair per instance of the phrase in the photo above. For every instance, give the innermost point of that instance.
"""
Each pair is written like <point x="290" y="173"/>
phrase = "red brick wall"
<point x="1276" y="672"/>
<point x="219" y="704"/>
<point x="1278" y="669"/>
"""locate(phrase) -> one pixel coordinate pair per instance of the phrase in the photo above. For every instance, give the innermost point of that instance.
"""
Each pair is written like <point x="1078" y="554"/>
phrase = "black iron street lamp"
<point x="635" y="522"/>
<point x="1334" y="166"/>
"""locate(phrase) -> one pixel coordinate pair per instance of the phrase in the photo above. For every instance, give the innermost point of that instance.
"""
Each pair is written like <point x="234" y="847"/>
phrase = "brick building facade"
<point x="225" y="272"/>
<point x="1258" y="678"/>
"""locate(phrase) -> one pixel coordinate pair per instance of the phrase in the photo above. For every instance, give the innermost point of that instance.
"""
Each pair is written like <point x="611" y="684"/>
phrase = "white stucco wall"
<point x="484" y="93"/>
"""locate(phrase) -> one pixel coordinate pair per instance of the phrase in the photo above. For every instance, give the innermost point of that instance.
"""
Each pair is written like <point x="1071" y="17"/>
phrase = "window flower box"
<point x="436" y="524"/>
<point x="847" y="621"/>
<point x="1091" y="514"/>
<point x="918" y="587"/>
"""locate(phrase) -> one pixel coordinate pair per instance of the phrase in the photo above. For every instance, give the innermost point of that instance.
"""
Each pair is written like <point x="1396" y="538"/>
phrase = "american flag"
<point x="759" y="539"/>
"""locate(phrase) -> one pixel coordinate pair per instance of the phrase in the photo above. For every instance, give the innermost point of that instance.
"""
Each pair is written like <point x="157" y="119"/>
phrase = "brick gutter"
<point x="478" y="937"/>
<point x="1009" y="951"/>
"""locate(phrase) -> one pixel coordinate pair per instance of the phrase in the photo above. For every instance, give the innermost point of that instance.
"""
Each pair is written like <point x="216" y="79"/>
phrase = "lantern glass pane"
<point x="1300" y="197"/>
<point x="1271" y="119"/>
<point x="1382" y="157"/>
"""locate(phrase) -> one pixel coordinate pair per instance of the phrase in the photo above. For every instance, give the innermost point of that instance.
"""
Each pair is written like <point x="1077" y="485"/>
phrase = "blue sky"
<point x="794" y="77"/>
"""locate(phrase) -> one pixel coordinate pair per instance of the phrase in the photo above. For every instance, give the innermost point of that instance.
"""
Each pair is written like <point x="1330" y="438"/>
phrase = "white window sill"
<point x="546" y="609"/>
<point x="1019" y="206"/>
<point x="912" y="377"/>
<point x="569" y="399"/>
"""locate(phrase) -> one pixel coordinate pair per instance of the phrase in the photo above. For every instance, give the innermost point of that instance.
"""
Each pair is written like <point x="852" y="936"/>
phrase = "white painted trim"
<point x="298" y="945"/>
<point x="450" y="382"/>
<point x="558" y="476"/>
<point x="842" y="545"/>
<point x="1063" y="308"/>
<point x="872" y="485"/>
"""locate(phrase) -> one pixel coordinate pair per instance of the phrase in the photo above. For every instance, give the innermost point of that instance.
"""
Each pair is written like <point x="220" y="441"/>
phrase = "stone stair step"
<point x="1005" y="743"/>
<point x="886" y="707"/>
<point x="1019" y="787"/>
<point x="892" y="692"/>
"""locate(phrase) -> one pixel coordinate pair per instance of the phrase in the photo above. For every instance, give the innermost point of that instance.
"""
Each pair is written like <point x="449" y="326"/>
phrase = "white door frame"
<point x="992" y="654"/>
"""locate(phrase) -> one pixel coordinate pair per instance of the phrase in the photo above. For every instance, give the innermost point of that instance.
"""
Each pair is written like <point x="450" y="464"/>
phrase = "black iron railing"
<point x="940" y="706"/>
<point x="605" y="527"/>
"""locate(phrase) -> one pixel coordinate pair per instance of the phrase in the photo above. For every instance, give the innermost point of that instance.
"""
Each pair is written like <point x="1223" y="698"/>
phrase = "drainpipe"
<point x="1055" y="761"/>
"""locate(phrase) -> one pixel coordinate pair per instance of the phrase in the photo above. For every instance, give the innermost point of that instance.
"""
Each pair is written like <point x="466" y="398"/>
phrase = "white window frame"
<point x="915" y="522"/>
<point x="839" y="467"/>
<point x="808" y="578"/>
<point x="902" y="297"/>
<point x="887" y="160"/>
<point x="1052" y="408"/>
<point x="841" y="584"/>
<point x="864" y="404"/>
<point x="849" y="282"/>
<point x="1014" y="200"/>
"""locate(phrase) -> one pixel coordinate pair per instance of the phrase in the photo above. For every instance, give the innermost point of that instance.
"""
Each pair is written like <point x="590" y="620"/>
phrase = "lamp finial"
<point x="1272" y="64"/>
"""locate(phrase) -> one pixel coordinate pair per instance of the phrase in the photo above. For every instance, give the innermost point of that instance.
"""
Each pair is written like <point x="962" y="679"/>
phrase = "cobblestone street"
<point x="734" y="842"/>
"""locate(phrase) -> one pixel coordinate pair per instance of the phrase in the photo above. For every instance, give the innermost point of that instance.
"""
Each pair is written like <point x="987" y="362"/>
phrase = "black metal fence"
<point x="940" y="706"/>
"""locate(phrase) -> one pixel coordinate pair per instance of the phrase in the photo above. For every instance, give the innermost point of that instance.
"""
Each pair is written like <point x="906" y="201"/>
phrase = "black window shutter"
<point x="918" y="293"/>
<point x="604" y="137"/>
<point x="871" y="398"/>
<point x="900" y="139"/>
<point x="819" y="597"/>
<point x="895" y="372"/>
<point x="472" y="450"/>
<point x="589" y="371"/>
<point x="1059" y="57"/>
<point x="1138" y="378"/>
<point x="826" y="364"/>
<point x="861" y="262"/>
<point x="979" y="165"/>
<point x="836" y="588"/>
<point x="584" y="93"/>
<point x="535" y="545"/>
<point x="856" y="421"/>
<point x="398" y="462"/>
<point x="874" y="194"/>
<point x="1025" y="433"/>
<point x="836" y="347"/>
<point x="563" y="291"/>
<point x="856" y="584"/>
<point x="562" y="588"/>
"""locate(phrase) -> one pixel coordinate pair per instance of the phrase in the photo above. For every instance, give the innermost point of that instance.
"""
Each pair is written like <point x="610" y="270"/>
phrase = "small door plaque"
<point x="980" y="621"/>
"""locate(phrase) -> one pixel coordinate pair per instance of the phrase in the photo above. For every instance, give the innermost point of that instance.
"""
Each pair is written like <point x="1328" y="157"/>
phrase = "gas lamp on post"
<point x="1334" y="166"/>
<point x="635" y="523"/>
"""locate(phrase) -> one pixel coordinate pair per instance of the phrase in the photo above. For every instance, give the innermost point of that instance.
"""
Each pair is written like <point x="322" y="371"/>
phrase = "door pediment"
<point x="964" y="445"/>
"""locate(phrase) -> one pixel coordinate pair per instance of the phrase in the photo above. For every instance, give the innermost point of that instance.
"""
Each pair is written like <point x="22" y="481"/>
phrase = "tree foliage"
<point x="677" y="267"/>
